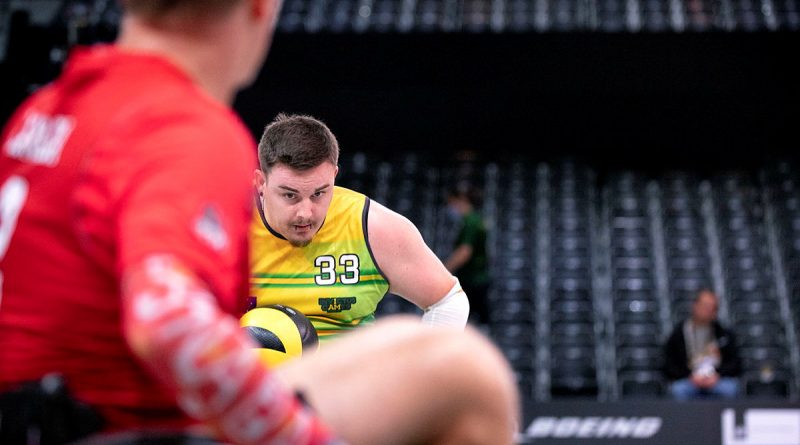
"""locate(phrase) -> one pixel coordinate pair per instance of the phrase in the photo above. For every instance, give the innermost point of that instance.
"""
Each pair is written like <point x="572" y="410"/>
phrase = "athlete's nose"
<point x="304" y="210"/>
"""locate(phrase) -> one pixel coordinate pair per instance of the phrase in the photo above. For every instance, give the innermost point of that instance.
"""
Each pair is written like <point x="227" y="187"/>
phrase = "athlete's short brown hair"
<point x="297" y="141"/>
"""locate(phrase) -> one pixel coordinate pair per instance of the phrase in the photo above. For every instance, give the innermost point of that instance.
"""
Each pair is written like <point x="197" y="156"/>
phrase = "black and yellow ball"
<point x="281" y="332"/>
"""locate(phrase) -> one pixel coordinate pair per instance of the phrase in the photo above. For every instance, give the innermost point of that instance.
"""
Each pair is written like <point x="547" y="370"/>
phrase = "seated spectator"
<point x="701" y="359"/>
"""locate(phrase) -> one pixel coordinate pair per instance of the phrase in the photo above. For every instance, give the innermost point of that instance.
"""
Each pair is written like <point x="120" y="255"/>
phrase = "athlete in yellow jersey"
<point x="330" y="252"/>
<point x="333" y="280"/>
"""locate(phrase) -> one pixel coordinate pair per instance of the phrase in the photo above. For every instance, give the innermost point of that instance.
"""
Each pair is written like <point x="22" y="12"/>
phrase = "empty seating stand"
<point x="478" y="16"/>
<point x="635" y="300"/>
<point x="564" y="333"/>
<point x="754" y="309"/>
<point x="511" y="245"/>
<point x="686" y="242"/>
<point x="573" y="346"/>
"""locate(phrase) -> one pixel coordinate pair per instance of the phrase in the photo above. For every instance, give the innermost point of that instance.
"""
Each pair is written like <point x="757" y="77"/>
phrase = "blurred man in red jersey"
<point x="125" y="196"/>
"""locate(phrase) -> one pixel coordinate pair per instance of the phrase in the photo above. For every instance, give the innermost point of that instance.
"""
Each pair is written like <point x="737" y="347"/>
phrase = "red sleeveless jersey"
<point x="123" y="156"/>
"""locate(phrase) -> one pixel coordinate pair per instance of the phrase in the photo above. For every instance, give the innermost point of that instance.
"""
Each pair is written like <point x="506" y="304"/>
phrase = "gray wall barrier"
<point x="741" y="422"/>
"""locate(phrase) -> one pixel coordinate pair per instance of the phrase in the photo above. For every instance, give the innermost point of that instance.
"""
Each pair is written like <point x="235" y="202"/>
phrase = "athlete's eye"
<point x="290" y="196"/>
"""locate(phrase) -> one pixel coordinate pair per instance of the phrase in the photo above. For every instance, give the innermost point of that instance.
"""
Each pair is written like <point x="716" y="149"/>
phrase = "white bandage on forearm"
<point x="452" y="310"/>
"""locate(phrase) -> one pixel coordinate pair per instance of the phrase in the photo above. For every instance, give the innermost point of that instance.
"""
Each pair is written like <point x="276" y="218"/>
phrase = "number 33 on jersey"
<point x="333" y="280"/>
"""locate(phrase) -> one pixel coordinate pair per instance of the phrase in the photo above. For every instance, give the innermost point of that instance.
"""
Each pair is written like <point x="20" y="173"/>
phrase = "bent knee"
<point x="476" y="351"/>
<point x="479" y="371"/>
<point x="454" y="356"/>
<point x="472" y="357"/>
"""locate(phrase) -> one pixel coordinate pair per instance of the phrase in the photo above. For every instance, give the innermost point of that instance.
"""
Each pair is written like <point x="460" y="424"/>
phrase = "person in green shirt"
<point x="469" y="261"/>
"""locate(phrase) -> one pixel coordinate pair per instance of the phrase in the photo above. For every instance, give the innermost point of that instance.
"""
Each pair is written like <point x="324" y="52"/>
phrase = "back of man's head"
<point x="297" y="141"/>
<point x="153" y="9"/>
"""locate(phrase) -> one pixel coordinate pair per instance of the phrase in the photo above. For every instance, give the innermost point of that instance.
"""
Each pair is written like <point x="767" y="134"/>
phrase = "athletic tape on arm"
<point x="452" y="310"/>
<point x="174" y="325"/>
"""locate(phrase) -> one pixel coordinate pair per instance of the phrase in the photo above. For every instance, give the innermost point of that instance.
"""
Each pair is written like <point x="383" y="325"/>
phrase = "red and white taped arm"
<point x="172" y="322"/>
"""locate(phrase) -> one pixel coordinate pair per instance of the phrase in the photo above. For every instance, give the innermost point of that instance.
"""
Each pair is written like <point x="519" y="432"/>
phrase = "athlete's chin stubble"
<point x="299" y="243"/>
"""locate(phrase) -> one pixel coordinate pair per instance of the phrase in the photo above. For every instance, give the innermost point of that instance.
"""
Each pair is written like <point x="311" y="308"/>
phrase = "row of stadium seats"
<point x="476" y="16"/>
<point x="591" y="271"/>
<point x="538" y="15"/>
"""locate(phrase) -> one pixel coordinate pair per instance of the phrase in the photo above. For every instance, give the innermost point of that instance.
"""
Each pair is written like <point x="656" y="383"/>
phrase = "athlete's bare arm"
<point x="413" y="270"/>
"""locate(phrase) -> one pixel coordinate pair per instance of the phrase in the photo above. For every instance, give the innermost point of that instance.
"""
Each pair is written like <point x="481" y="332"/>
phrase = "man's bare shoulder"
<point x="387" y="227"/>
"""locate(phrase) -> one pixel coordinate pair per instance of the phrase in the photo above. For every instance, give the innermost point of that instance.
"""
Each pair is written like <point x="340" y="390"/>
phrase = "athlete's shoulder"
<point x="347" y="200"/>
<point x="190" y="115"/>
<point x="184" y="126"/>
<point x="157" y="95"/>
<point x="384" y="223"/>
<point x="343" y="193"/>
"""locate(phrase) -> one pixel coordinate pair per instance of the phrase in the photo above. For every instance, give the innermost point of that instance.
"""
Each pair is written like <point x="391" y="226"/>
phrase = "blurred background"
<point x="640" y="83"/>
<point x="629" y="153"/>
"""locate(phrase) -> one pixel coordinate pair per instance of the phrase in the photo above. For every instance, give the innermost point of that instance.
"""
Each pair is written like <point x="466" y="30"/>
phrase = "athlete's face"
<point x="296" y="202"/>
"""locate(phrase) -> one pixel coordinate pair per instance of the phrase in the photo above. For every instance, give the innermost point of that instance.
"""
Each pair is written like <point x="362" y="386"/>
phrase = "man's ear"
<point x="336" y="172"/>
<point x="262" y="8"/>
<point x="259" y="180"/>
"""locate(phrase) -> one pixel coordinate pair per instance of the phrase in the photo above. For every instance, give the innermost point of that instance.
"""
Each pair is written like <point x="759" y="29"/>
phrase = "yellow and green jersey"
<point x="333" y="280"/>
